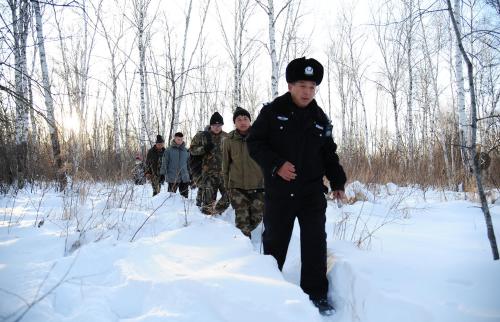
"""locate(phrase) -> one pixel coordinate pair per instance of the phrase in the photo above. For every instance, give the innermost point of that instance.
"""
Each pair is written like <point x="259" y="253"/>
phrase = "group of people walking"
<point x="272" y="171"/>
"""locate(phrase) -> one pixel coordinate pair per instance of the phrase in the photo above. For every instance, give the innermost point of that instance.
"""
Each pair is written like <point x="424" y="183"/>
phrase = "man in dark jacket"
<point x="153" y="164"/>
<point x="174" y="166"/>
<point x="292" y="142"/>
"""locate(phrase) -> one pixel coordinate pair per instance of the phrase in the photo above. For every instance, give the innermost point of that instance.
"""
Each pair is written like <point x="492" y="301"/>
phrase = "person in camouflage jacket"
<point x="138" y="171"/>
<point x="211" y="181"/>
<point x="242" y="175"/>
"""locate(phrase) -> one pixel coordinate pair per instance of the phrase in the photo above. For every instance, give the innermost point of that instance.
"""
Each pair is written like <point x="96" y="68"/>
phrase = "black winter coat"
<point x="153" y="161"/>
<point x="284" y="132"/>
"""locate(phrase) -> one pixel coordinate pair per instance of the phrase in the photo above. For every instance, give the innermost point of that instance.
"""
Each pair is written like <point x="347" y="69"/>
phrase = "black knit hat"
<point x="159" y="139"/>
<point x="179" y="135"/>
<point x="216" y="118"/>
<point x="304" y="69"/>
<point x="240" y="112"/>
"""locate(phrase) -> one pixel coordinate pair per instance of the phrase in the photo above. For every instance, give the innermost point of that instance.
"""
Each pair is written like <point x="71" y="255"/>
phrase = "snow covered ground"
<point x="113" y="253"/>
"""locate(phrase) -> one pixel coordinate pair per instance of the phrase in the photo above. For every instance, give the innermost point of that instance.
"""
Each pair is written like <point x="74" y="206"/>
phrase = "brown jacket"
<point x="239" y="170"/>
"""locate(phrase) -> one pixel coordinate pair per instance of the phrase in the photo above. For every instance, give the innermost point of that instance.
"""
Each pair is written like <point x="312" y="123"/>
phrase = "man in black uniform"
<point x="292" y="142"/>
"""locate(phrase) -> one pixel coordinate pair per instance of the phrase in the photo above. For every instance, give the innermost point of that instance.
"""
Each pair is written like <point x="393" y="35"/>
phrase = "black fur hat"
<point x="216" y="118"/>
<point x="304" y="69"/>
<point x="240" y="112"/>
<point x="159" y="139"/>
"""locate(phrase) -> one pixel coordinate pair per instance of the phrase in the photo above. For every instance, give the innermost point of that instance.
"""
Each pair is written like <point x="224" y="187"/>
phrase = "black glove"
<point x="209" y="147"/>
<point x="162" y="179"/>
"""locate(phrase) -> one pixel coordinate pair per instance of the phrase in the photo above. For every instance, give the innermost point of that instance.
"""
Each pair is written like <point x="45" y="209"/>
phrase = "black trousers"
<point x="183" y="188"/>
<point x="279" y="217"/>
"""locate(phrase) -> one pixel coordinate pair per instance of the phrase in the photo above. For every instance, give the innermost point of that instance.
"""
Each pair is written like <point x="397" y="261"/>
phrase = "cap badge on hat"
<point x="309" y="70"/>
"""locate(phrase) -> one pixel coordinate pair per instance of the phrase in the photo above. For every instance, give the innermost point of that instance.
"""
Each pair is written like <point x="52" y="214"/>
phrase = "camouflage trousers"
<point x="155" y="183"/>
<point x="249" y="208"/>
<point x="207" y="195"/>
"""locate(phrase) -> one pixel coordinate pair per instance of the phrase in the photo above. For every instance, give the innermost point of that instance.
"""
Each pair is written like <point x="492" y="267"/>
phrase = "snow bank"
<point x="411" y="256"/>
<point x="205" y="271"/>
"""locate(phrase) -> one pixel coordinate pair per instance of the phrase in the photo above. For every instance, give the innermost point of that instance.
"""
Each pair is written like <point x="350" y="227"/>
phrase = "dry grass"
<point x="98" y="162"/>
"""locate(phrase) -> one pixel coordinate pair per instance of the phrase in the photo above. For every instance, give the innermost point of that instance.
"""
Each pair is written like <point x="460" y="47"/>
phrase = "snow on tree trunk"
<point x="49" y="102"/>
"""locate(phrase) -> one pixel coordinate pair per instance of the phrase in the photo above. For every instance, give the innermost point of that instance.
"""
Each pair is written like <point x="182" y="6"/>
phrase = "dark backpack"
<point x="195" y="162"/>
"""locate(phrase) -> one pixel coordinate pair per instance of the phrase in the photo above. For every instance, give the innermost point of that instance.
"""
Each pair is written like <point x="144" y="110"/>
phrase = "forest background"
<point x="85" y="85"/>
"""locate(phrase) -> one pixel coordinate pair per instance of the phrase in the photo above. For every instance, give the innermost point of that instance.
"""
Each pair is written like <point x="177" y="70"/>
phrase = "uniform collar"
<point x="285" y="104"/>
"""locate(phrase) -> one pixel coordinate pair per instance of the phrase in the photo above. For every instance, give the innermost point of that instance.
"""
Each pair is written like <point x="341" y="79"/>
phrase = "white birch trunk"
<point x="142" y="77"/>
<point x="399" y="138"/>
<point x="238" y="67"/>
<point x="20" y="19"/>
<point x="410" y="84"/>
<point x="49" y="102"/>
<point x="116" y="121"/>
<point x="475" y="160"/>
<point x="463" y="122"/>
<point x="272" y="50"/>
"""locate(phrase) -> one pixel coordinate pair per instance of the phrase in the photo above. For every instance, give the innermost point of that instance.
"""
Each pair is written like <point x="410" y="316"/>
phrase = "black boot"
<point x="324" y="307"/>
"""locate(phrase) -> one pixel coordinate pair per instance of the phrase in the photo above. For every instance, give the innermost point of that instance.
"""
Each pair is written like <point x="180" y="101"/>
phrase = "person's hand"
<point x="209" y="147"/>
<point x="338" y="195"/>
<point x="287" y="171"/>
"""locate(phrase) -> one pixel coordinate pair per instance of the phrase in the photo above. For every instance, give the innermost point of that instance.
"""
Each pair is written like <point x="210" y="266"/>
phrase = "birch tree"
<point x="113" y="44"/>
<point x="390" y="41"/>
<point x="409" y="24"/>
<point x="337" y="58"/>
<point x="182" y="79"/>
<point x="49" y="102"/>
<point x="76" y="61"/>
<point x="460" y="88"/>
<point x="142" y="25"/>
<point x="20" y="28"/>
<point x="187" y="64"/>
<point x="430" y="79"/>
<point x="454" y="16"/>
<point x="238" y="45"/>
<point x="355" y="47"/>
<point x="279" y="51"/>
